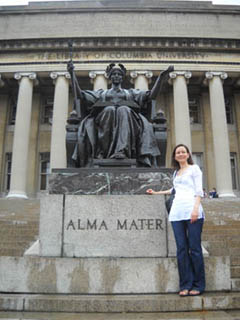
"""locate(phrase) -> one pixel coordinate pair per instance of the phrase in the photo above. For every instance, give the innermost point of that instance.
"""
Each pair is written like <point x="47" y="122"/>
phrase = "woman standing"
<point x="187" y="219"/>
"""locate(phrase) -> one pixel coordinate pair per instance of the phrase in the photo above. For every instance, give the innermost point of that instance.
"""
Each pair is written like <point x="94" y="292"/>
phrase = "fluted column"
<point x="220" y="134"/>
<point x="237" y="109"/>
<point x="99" y="80"/>
<point x="181" y="107"/>
<point x="60" y="113"/>
<point x="21" y="136"/>
<point x="141" y="79"/>
<point x="3" y="124"/>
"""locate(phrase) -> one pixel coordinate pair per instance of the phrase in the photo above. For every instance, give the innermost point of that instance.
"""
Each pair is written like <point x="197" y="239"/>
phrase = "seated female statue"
<point x="114" y="126"/>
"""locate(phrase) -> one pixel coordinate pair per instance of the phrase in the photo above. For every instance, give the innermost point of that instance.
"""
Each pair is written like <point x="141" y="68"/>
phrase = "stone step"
<point x="119" y="303"/>
<point x="19" y="224"/>
<point x="18" y="231"/>
<point x="235" y="272"/>
<point x="235" y="261"/>
<point x="16" y="237"/>
<point x="228" y="235"/>
<point x="14" y="244"/>
<point x="235" y="284"/>
<point x="12" y="252"/>
<point x="207" y="315"/>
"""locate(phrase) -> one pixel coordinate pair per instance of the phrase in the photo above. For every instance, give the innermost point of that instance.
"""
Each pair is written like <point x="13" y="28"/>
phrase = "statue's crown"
<point x="113" y="66"/>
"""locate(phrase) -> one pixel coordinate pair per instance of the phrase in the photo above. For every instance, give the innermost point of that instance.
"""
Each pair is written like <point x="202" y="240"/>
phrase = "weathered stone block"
<point x="108" y="181"/>
<point x="102" y="275"/>
<point x="114" y="226"/>
<point x="11" y="302"/>
<point x="51" y="220"/>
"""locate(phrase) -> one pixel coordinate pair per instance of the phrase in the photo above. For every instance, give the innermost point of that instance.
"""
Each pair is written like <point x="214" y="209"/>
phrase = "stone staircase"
<point x="221" y="235"/>
<point x="19" y="220"/>
<point x="19" y="223"/>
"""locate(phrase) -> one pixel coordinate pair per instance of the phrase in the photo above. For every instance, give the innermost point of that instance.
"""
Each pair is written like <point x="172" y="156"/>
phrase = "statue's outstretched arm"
<point x="161" y="80"/>
<point x="77" y="91"/>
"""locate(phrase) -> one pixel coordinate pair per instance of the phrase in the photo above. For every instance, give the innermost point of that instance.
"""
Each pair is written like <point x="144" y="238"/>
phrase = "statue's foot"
<point x="118" y="155"/>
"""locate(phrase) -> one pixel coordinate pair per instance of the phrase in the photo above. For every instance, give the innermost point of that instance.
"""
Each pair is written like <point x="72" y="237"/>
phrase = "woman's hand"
<point x="194" y="215"/>
<point x="149" y="191"/>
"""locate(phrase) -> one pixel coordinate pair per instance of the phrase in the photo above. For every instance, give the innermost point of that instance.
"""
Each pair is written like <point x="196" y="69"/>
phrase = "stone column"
<point x="99" y="80"/>
<point x="3" y="124"/>
<point x="237" y="109"/>
<point x="141" y="79"/>
<point x="21" y="136"/>
<point x="33" y="152"/>
<point x="208" y="141"/>
<point x="181" y="108"/>
<point x="60" y="113"/>
<point x="220" y="134"/>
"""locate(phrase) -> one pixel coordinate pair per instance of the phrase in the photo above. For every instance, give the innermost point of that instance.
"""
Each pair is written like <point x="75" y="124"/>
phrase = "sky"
<point x="25" y="2"/>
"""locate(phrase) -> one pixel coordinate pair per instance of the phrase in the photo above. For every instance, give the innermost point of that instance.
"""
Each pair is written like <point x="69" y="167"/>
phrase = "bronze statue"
<point x="113" y="124"/>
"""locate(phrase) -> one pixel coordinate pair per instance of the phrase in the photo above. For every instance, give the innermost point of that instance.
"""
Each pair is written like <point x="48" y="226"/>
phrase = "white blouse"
<point x="187" y="186"/>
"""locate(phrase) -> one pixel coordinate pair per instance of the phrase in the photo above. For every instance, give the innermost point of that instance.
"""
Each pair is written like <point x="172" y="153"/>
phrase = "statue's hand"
<point x="70" y="67"/>
<point x="170" y="69"/>
<point x="166" y="72"/>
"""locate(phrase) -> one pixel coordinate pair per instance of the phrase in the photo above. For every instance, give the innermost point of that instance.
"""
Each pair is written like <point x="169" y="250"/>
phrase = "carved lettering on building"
<point x="122" y="55"/>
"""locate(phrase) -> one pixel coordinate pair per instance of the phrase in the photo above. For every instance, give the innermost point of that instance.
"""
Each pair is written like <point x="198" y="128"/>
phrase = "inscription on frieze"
<point x="116" y="226"/>
<point x="122" y="55"/>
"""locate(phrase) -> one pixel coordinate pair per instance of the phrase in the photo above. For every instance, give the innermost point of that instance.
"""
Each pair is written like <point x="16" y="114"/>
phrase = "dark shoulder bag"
<point x="169" y="201"/>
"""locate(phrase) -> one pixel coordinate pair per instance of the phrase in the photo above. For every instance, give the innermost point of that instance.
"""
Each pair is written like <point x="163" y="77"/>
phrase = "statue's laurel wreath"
<point x="112" y="66"/>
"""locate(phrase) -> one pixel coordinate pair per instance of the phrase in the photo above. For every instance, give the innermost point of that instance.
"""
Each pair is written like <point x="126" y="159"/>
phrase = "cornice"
<point x="167" y="44"/>
<point x="121" y="6"/>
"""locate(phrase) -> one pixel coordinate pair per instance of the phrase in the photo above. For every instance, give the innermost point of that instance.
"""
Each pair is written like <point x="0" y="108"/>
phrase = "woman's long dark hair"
<point x="175" y="164"/>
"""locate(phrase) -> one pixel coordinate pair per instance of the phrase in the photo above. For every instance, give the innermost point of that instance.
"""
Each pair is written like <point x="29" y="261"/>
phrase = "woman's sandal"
<point x="194" y="293"/>
<point x="184" y="293"/>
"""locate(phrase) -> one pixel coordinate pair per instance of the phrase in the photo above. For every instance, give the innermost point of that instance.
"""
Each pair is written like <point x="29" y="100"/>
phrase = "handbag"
<point x="169" y="201"/>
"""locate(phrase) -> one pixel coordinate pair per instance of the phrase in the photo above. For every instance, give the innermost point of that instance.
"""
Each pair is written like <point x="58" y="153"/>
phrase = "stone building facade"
<point x="201" y="102"/>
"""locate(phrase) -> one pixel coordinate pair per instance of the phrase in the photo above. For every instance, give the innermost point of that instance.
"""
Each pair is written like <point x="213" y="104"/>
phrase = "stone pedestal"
<point x="95" y="276"/>
<point x="103" y="226"/>
<point x="100" y="233"/>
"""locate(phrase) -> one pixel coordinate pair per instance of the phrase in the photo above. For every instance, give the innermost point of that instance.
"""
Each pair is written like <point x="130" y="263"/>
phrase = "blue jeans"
<point x="189" y="254"/>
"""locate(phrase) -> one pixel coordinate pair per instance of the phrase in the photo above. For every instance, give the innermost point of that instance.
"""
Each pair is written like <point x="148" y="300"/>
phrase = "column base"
<point x="17" y="194"/>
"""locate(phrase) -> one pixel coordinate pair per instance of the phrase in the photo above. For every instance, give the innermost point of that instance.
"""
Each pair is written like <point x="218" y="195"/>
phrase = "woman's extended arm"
<point x="151" y="191"/>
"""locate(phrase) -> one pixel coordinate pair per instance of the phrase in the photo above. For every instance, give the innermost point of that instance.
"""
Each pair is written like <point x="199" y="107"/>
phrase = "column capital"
<point x="135" y="73"/>
<point x="54" y="75"/>
<point x="185" y="74"/>
<point x="94" y="74"/>
<point x="173" y="75"/>
<point x="209" y="75"/>
<point x="30" y="75"/>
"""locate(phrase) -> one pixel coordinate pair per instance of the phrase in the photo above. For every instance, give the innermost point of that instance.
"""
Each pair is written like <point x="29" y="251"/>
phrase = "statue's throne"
<point x="158" y="121"/>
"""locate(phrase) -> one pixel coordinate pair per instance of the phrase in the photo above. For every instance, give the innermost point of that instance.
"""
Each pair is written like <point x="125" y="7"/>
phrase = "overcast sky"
<point x="24" y="2"/>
